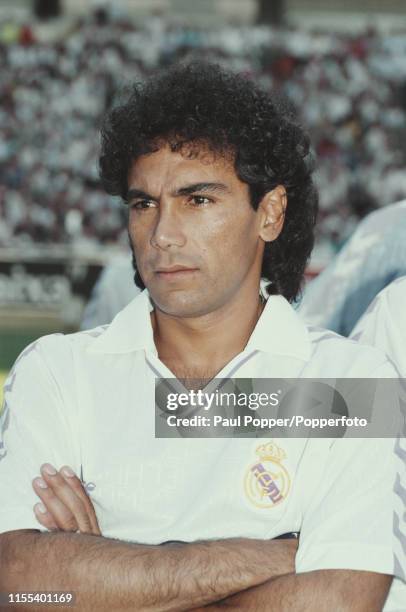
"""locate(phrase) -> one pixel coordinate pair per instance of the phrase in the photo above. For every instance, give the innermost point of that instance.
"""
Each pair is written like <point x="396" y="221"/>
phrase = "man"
<point x="372" y="258"/>
<point x="384" y="326"/>
<point x="218" y="183"/>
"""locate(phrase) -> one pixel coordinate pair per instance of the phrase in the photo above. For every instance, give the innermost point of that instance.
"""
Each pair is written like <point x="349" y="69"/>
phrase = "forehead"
<point x="167" y="169"/>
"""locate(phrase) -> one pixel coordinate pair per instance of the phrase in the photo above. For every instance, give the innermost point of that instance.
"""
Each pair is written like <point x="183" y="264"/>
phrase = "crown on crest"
<point x="270" y="452"/>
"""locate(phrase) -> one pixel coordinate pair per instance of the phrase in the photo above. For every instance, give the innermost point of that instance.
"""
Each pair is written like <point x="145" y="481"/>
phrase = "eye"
<point x="199" y="200"/>
<point x="142" y="204"/>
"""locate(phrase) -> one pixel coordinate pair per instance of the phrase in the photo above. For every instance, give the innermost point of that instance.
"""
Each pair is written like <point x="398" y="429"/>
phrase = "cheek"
<point x="139" y="234"/>
<point x="210" y="239"/>
<point x="227" y="246"/>
<point x="232" y="233"/>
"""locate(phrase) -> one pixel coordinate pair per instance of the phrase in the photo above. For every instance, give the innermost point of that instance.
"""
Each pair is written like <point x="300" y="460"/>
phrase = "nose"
<point x="168" y="231"/>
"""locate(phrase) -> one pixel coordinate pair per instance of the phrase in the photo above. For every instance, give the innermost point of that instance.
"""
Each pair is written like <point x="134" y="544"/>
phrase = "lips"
<point x="174" y="269"/>
<point x="175" y="272"/>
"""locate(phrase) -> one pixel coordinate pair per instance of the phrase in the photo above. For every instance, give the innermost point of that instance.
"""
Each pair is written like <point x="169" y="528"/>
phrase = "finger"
<point x="61" y="513"/>
<point x="57" y="484"/>
<point x="44" y="517"/>
<point x="77" y="486"/>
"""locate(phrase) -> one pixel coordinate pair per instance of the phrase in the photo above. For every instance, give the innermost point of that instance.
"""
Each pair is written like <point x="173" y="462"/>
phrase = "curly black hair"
<point x="200" y="102"/>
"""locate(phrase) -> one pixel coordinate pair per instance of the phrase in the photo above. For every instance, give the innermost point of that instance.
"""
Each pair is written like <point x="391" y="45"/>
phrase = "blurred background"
<point x="62" y="63"/>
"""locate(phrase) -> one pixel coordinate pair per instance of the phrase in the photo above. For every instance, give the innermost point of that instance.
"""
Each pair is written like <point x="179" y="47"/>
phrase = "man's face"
<point x="193" y="231"/>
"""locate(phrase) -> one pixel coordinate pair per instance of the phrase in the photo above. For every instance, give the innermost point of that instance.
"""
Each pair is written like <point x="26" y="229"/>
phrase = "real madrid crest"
<point x="267" y="481"/>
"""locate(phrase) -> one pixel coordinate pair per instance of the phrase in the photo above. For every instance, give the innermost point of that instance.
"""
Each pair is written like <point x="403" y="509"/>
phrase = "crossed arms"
<point x="108" y="574"/>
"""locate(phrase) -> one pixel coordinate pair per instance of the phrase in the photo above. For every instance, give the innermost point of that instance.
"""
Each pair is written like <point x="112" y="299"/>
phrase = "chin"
<point x="180" y="303"/>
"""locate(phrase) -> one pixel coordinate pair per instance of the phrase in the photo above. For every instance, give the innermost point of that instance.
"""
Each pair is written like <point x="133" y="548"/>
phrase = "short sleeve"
<point x="352" y="519"/>
<point x="37" y="425"/>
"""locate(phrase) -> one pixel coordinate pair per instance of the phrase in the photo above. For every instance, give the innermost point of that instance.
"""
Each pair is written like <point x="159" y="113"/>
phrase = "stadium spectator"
<point x="349" y="90"/>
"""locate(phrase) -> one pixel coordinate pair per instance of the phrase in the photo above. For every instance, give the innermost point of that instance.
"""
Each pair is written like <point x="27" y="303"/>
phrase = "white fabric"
<point x="87" y="400"/>
<point x="384" y="323"/>
<point x="114" y="289"/>
<point x="384" y="326"/>
<point x="373" y="257"/>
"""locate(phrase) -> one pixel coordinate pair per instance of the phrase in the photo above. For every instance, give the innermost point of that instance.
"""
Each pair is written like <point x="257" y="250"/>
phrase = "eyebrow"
<point x="134" y="193"/>
<point x="204" y="187"/>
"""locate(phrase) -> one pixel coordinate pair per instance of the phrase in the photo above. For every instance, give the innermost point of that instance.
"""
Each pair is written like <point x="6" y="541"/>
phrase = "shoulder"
<point x="56" y="351"/>
<point x="336" y="355"/>
<point x="394" y="296"/>
<point x="384" y="323"/>
<point x="384" y="218"/>
<point x="50" y="365"/>
<point x="387" y="307"/>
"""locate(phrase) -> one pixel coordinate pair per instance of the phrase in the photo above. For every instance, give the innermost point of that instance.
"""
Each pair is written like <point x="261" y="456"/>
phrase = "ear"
<point x="272" y="208"/>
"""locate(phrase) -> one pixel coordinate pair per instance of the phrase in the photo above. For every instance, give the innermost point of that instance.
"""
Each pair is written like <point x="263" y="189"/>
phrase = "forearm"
<point x="324" y="590"/>
<point x="110" y="574"/>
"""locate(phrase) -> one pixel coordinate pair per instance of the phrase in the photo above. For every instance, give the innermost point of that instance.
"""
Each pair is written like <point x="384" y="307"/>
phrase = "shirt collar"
<point x="130" y="330"/>
<point x="279" y="330"/>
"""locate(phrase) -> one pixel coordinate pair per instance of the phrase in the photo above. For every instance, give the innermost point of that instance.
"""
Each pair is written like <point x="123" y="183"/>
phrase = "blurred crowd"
<point x="350" y="92"/>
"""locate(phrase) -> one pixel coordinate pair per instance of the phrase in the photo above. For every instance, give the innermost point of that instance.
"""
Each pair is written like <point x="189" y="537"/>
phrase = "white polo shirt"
<point x="87" y="400"/>
<point x="384" y="323"/>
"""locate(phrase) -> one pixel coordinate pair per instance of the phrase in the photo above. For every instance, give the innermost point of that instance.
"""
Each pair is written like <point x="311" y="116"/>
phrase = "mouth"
<point x="175" y="272"/>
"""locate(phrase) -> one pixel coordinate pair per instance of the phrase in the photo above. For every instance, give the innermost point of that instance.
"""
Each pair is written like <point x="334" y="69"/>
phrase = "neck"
<point x="190" y="346"/>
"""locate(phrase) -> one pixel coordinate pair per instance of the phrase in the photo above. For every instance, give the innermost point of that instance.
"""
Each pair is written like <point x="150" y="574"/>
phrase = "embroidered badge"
<point x="267" y="481"/>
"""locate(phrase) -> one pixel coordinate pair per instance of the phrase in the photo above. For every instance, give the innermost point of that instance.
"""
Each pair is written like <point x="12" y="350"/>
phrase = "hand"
<point x="68" y="506"/>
